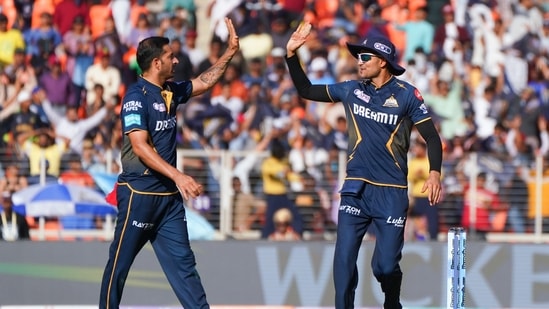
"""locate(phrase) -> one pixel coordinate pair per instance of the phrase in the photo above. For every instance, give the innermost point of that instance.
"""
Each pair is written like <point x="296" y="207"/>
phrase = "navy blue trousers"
<point x="386" y="208"/>
<point x="160" y="219"/>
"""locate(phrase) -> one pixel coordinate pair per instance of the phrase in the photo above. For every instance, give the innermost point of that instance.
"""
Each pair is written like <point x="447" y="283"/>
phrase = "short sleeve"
<point x="418" y="109"/>
<point x="133" y="113"/>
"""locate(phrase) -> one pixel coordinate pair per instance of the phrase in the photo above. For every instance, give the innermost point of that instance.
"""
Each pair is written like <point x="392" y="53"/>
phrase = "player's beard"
<point x="168" y="70"/>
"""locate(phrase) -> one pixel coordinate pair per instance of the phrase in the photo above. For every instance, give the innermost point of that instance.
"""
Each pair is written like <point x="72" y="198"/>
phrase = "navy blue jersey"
<point x="148" y="107"/>
<point x="380" y="122"/>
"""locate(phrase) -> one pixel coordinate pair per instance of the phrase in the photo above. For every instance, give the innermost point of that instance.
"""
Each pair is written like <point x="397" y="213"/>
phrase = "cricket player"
<point x="381" y="111"/>
<point x="150" y="190"/>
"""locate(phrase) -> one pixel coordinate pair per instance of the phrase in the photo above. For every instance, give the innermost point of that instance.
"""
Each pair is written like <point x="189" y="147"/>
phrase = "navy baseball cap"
<point x="381" y="47"/>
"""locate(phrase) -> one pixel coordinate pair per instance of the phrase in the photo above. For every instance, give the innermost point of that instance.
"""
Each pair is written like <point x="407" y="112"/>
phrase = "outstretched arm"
<point x="208" y="78"/>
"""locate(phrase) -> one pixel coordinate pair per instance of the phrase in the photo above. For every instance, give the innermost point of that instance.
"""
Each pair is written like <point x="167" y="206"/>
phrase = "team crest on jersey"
<point x="361" y="95"/>
<point x="159" y="107"/>
<point x="423" y="108"/>
<point x="390" y="102"/>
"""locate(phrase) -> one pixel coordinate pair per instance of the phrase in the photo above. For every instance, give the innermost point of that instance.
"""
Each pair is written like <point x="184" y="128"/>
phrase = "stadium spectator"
<point x="105" y="74"/>
<point x="313" y="206"/>
<point x="175" y="26"/>
<point x="491" y="212"/>
<point x="425" y="221"/>
<point x="13" y="226"/>
<point x="196" y="54"/>
<point x="68" y="127"/>
<point x="248" y="210"/>
<point x="515" y="194"/>
<point x="13" y="179"/>
<point x="79" y="49"/>
<point x="142" y="29"/>
<point x="42" y="43"/>
<point x="109" y="43"/>
<point x="448" y="34"/>
<point x="276" y="173"/>
<point x="44" y="154"/>
<point x="66" y="11"/>
<point x="283" y="230"/>
<point x="306" y="156"/>
<point x="419" y="33"/>
<point x="20" y="72"/>
<point x="57" y="84"/>
<point x="232" y="77"/>
<point x="11" y="39"/>
<point x="445" y="101"/>
<point x="214" y="52"/>
<point x="184" y="69"/>
<point x="74" y="172"/>
<point x="187" y="10"/>
<point x="280" y="30"/>
<point x="23" y="122"/>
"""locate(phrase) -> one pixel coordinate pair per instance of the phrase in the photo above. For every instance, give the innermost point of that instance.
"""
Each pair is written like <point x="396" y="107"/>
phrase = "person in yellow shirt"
<point x="10" y="40"/>
<point x="276" y="175"/>
<point x="424" y="216"/>
<point x="44" y="150"/>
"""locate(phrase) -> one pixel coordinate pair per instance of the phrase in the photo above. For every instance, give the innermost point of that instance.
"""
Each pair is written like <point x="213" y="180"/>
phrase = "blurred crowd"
<point x="481" y="66"/>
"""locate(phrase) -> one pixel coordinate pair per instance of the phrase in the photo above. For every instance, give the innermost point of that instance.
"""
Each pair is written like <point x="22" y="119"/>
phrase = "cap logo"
<point x="383" y="48"/>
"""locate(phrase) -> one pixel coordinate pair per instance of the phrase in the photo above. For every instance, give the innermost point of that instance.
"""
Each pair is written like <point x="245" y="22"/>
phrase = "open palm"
<point x="299" y="37"/>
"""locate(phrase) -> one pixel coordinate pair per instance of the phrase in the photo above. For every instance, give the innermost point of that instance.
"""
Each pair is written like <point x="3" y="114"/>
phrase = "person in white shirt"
<point x="104" y="74"/>
<point x="70" y="127"/>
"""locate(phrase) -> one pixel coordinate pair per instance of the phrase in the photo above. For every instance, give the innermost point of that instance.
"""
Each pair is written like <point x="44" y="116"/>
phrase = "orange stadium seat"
<point x="41" y="6"/>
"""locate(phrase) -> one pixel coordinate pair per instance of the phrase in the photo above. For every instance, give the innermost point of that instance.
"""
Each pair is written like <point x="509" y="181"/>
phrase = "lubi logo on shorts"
<point x="398" y="222"/>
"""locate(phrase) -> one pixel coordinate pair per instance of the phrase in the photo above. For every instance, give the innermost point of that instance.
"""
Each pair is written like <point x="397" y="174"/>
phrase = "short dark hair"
<point x="148" y="49"/>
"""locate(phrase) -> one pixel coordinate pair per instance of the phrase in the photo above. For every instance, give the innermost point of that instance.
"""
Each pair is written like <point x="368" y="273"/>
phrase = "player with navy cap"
<point x="381" y="112"/>
<point x="150" y="190"/>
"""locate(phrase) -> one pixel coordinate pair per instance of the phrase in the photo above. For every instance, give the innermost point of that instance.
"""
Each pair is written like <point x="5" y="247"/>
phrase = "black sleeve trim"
<point x="434" y="145"/>
<point x="303" y="84"/>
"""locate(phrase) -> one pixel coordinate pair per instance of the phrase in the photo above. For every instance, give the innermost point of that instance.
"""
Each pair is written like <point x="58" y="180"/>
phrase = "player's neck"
<point x="381" y="79"/>
<point x="153" y="79"/>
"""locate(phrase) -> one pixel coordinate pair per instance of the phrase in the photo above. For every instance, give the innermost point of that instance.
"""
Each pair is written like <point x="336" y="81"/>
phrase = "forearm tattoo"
<point x="214" y="73"/>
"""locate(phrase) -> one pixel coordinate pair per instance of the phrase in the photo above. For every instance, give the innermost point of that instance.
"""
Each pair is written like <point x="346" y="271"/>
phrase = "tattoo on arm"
<point x="214" y="73"/>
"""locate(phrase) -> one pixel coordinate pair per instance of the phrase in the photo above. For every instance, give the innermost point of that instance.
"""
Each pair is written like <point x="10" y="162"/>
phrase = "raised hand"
<point x="233" y="41"/>
<point x="298" y="38"/>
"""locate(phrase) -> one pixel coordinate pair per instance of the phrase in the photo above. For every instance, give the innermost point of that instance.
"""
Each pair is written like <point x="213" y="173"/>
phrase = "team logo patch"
<point x="132" y="119"/>
<point x="423" y="108"/>
<point x="418" y="95"/>
<point x="159" y="107"/>
<point x="390" y="102"/>
<point x="361" y="95"/>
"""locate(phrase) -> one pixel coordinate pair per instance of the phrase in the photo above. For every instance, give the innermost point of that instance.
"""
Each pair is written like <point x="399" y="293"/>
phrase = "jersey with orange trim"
<point x="380" y="121"/>
<point x="148" y="107"/>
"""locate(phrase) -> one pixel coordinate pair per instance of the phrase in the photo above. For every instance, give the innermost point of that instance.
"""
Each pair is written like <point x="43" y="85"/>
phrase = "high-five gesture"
<point x="298" y="38"/>
<point x="234" y="44"/>
<point x="209" y="77"/>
